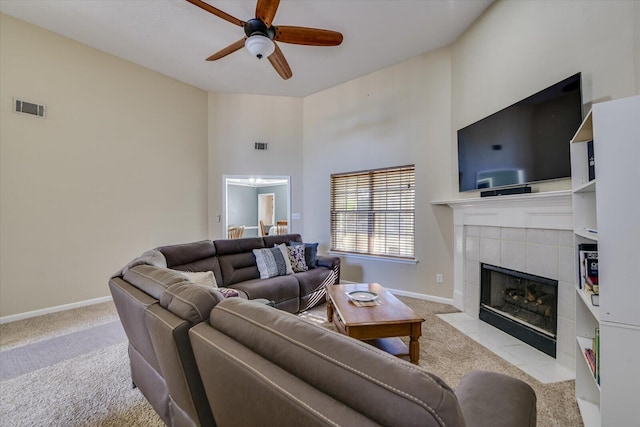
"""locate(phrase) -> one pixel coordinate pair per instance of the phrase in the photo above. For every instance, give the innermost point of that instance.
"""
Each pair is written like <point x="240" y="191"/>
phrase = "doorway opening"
<point x="248" y="199"/>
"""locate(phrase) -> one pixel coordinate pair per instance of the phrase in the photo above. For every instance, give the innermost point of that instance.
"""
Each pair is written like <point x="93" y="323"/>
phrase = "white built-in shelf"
<point x="606" y="209"/>
<point x="587" y="234"/>
<point x="595" y="310"/>
<point x="590" y="413"/>
<point x="585" y="131"/>
<point x="589" y="187"/>
<point x="583" y="343"/>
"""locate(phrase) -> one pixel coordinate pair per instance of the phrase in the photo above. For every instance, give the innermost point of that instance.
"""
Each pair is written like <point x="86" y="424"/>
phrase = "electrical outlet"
<point x="439" y="278"/>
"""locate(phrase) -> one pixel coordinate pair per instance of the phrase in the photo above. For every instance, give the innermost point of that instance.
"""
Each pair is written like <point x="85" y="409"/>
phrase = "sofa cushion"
<point x="236" y="259"/>
<point x="238" y="246"/>
<point x="276" y="239"/>
<point x="276" y="289"/>
<point x="187" y="252"/>
<point x="273" y="262"/>
<point x="354" y="373"/>
<point x="311" y="280"/>
<point x="151" y="279"/>
<point x="190" y="301"/>
<point x="205" y="264"/>
<point x="197" y="256"/>
<point x="246" y="390"/>
<point x="238" y="268"/>
<point x="488" y="399"/>
<point x="313" y="286"/>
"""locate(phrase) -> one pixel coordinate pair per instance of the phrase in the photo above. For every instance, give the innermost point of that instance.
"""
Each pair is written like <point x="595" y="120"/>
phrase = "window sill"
<point x="374" y="257"/>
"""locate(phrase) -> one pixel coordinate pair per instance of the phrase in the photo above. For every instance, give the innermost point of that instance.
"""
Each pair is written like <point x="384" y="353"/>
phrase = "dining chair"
<point x="282" y="226"/>
<point x="235" y="232"/>
<point x="262" y="232"/>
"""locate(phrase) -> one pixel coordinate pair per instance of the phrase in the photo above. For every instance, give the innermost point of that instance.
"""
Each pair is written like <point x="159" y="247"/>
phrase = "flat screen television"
<point x="524" y="143"/>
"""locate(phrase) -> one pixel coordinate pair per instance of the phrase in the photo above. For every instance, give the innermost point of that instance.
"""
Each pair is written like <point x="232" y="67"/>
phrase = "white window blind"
<point x="373" y="212"/>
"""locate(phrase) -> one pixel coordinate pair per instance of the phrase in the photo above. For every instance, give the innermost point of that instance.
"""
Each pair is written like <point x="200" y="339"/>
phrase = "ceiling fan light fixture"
<point x="259" y="46"/>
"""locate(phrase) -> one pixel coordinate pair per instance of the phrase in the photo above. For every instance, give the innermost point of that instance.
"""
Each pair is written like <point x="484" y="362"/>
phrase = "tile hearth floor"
<point x="535" y="363"/>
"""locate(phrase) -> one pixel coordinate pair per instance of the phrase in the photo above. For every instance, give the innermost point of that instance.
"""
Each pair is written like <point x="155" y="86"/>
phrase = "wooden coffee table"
<point x="380" y="325"/>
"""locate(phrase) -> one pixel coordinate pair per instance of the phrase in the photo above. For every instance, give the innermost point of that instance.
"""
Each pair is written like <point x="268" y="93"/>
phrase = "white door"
<point x="267" y="209"/>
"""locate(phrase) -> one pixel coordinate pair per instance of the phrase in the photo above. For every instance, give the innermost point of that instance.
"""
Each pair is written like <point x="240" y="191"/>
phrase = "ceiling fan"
<point x="261" y="35"/>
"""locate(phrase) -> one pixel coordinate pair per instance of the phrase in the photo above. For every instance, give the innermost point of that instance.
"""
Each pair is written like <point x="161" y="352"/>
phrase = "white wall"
<point x="396" y="116"/>
<point x="409" y="113"/>
<point x="235" y="123"/>
<point x="517" y="48"/>
<point x="118" y="166"/>
<point x="85" y="190"/>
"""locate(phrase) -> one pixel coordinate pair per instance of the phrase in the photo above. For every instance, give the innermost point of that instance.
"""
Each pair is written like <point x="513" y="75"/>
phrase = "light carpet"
<point x="449" y="354"/>
<point x="94" y="388"/>
<point x="28" y="358"/>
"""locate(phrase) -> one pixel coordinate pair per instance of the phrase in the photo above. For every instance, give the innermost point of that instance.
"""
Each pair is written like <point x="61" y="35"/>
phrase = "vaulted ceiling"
<point x="174" y="37"/>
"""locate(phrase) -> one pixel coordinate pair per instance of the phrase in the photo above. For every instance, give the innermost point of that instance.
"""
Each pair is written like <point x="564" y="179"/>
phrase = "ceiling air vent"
<point x="25" y="107"/>
<point x="261" y="146"/>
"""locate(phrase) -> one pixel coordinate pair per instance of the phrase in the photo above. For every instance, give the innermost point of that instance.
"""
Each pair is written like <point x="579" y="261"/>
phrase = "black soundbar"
<point x="506" y="191"/>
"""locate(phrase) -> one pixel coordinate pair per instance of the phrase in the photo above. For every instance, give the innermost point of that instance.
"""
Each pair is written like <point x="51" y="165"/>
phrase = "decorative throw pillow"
<point x="273" y="262"/>
<point x="229" y="293"/>
<point x="310" y="252"/>
<point x="296" y="256"/>
<point x="204" y="278"/>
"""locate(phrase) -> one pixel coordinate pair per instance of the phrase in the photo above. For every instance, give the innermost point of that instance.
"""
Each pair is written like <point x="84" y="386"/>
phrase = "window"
<point x="373" y="212"/>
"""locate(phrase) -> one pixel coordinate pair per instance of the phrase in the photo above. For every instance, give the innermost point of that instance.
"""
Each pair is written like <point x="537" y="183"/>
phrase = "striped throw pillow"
<point x="273" y="262"/>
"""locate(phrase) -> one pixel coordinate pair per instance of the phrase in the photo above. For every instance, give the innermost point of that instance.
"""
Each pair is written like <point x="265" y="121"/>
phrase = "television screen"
<point x="523" y="143"/>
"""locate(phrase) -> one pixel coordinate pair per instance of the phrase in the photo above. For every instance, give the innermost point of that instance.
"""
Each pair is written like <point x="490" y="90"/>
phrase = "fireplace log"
<point x="518" y="301"/>
<point x="543" y="309"/>
<point x="543" y="299"/>
<point x="539" y="309"/>
<point x="533" y="293"/>
<point x="514" y="293"/>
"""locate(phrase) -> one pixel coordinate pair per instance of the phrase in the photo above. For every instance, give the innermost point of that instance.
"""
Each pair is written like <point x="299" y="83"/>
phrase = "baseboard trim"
<point x="411" y="294"/>
<point x="416" y="295"/>
<point x="49" y="310"/>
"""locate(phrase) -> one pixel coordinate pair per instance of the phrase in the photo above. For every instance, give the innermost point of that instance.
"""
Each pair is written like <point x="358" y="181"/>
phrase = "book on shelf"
<point x="588" y="267"/>
<point x="591" y="360"/>
<point x="591" y="161"/>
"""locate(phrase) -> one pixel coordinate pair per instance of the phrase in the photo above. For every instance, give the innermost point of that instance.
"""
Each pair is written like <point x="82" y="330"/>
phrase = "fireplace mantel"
<point x="544" y="210"/>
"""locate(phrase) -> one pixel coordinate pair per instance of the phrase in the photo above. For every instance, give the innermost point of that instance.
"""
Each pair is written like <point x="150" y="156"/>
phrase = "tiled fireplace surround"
<point x="530" y="233"/>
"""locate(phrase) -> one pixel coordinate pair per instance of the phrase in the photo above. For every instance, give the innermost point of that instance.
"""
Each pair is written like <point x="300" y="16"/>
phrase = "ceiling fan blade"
<point x="280" y="63"/>
<point x="266" y="10"/>
<point x="227" y="50"/>
<point x="307" y="36"/>
<point x="217" y="12"/>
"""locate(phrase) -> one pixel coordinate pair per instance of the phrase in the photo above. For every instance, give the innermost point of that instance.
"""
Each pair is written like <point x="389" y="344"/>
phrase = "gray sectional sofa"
<point x="157" y="306"/>
<point x="234" y="266"/>
<point x="264" y="367"/>
<point x="203" y="358"/>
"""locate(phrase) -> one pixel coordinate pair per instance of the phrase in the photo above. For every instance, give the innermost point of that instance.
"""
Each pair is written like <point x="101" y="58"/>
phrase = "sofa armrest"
<point x="332" y="263"/>
<point x="490" y="399"/>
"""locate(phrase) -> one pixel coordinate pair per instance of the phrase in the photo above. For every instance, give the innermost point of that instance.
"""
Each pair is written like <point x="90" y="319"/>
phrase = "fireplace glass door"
<point x="520" y="304"/>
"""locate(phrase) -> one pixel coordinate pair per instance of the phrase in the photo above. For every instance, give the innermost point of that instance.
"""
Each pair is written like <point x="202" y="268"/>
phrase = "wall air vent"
<point x="261" y="146"/>
<point x="26" y="107"/>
